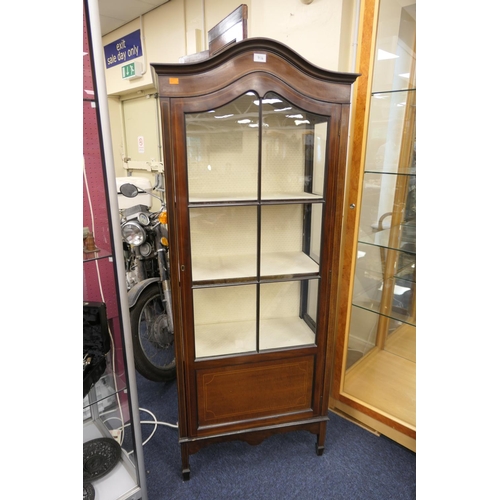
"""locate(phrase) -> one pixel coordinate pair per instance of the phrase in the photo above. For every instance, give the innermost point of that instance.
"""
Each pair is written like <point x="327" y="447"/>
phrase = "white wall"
<point x="321" y="32"/>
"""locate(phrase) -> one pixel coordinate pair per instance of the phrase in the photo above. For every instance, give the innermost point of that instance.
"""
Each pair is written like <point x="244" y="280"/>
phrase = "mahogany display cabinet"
<point x="255" y="143"/>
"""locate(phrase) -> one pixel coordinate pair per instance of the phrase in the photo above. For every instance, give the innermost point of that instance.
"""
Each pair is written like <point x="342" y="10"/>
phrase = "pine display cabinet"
<point x="255" y="142"/>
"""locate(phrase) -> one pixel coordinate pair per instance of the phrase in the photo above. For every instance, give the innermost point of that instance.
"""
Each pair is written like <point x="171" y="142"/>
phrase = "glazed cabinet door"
<point x="251" y="178"/>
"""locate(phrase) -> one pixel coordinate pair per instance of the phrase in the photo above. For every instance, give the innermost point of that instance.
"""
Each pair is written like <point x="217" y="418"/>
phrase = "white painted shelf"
<point x="225" y="267"/>
<point x="229" y="197"/>
<point x="237" y="337"/>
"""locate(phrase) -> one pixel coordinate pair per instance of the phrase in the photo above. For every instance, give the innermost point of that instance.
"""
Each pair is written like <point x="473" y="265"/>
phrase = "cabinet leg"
<point x="186" y="471"/>
<point x="320" y="441"/>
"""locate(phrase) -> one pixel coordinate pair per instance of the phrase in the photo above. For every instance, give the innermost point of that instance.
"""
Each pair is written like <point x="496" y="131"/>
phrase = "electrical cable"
<point x="155" y="424"/>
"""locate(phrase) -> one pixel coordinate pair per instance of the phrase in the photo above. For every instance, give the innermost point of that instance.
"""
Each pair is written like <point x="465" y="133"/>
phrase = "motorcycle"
<point x="147" y="268"/>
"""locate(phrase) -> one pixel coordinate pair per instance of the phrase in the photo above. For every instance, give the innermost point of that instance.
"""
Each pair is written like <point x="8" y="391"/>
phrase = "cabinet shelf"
<point x="106" y="387"/>
<point x="408" y="171"/>
<point x="406" y="238"/>
<point x="368" y="296"/>
<point x="239" y="337"/>
<point x="120" y="482"/>
<point x="386" y="381"/>
<point x="93" y="256"/>
<point x="233" y="267"/>
<point x="231" y="197"/>
<point x="370" y="307"/>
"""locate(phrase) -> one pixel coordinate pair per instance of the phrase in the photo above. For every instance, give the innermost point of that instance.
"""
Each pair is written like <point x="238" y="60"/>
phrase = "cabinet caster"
<point x="186" y="474"/>
<point x="319" y="450"/>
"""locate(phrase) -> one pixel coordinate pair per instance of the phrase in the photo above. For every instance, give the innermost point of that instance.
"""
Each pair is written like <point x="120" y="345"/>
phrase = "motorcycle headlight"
<point x="133" y="233"/>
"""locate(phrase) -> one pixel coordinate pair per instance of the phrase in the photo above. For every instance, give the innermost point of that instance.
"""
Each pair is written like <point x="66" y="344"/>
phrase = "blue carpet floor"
<point x="356" y="464"/>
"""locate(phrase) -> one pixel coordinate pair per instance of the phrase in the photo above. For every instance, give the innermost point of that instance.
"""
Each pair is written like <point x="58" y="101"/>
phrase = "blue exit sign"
<point x="123" y="50"/>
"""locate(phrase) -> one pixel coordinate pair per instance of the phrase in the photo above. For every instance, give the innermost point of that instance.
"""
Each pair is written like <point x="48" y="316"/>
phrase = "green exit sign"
<point x="131" y="71"/>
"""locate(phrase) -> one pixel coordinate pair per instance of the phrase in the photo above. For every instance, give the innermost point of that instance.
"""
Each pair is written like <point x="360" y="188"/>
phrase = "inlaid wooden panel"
<point x="254" y="390"/>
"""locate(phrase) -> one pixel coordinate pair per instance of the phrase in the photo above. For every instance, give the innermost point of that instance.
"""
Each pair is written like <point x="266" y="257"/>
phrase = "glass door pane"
<point x="225" y="320"/>
<point x="223" y="243"/>
<point x="291" y="236"/>
<point x="293" y="150"/>
<point x="284" y="314"/>
<point x="222" y="151"/>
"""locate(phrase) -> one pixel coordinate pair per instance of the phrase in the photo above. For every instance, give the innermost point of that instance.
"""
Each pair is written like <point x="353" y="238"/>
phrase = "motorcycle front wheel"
<point x="154" y="352"/>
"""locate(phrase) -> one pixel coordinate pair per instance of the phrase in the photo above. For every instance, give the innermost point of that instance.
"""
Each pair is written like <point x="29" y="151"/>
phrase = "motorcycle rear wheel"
<point x="154" y="352"/>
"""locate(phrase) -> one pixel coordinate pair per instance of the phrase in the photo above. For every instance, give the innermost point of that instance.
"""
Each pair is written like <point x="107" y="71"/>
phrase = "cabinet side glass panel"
<point x="384" y="379"/>
<point x="390" y="113"/>
<point x="225" y="320"/>
<point x="388" y="213"/>
<point x="222" y="151"/>
<point x="381" y="354"/>
<point x="293" y="150"/>
<point x="394" y="67"/>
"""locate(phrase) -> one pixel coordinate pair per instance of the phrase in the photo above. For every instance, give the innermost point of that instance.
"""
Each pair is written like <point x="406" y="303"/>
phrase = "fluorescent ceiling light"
<point x="246" y="120"/>
<point x="224" y="116"/>
<point x="295" y="116"/>
<point x="283" y="109"/>
<point x="383" y="55"/>
<point x="267" y="101"/>
<point x="300" y="122"/>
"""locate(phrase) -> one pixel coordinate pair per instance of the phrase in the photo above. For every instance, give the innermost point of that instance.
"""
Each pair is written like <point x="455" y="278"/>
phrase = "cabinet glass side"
<point x="380" y="360"/>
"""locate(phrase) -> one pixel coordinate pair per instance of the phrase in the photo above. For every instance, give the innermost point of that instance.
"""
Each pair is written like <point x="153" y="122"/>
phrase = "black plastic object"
<point x="99" y="458"/>
<point x="88" y="491"/>
<point x="96" y="343"/>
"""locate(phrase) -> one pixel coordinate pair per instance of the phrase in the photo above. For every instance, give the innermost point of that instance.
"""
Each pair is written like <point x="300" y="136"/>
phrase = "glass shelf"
<point x="91" y="256"/>
<point x="406" y="238"/>
<point x="368" y="295"/>
<point x="401" y="318"/>
<point x="409" y="171"/>
<point x="108" y="385"/>
<point x="371" y="261"/>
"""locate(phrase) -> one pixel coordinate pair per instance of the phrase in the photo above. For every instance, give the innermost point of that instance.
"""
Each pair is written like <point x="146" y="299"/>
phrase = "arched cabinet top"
<point x="252" y="56"/>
